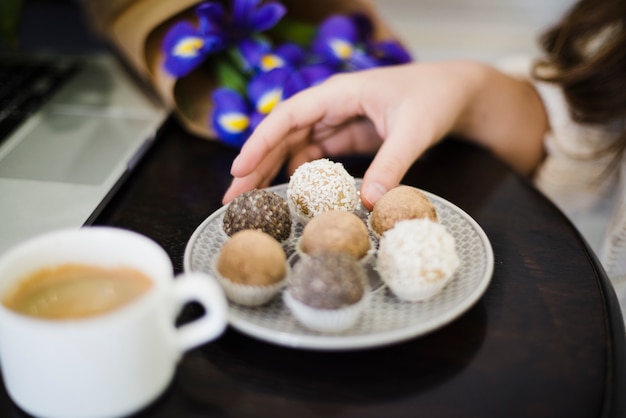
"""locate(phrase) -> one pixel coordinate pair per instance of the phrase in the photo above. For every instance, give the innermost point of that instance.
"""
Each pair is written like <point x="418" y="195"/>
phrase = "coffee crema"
<point x="71" y="291"/>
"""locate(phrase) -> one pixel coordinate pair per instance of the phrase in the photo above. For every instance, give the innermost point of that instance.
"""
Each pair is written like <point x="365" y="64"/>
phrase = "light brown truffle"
<point x="335" y="231"/>
<point x="400" y="203"/>
<point x="252" y="257"/>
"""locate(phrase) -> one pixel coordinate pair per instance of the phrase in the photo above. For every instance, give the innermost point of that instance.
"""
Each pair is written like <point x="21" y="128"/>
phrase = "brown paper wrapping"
<point x="137" y="27"/>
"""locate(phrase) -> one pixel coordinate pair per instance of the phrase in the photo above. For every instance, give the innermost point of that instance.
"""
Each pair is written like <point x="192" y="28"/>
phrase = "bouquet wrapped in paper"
<point x="223" y="65"/>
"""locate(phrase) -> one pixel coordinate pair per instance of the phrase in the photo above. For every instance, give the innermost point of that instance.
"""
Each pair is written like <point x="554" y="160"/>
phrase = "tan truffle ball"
<point x="400" y="203"/>
<point x="336" y="231"/>
<point x="252" y="257"/>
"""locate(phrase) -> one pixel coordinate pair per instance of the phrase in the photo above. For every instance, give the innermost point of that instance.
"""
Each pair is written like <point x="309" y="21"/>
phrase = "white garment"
<point x="577" y="181"/>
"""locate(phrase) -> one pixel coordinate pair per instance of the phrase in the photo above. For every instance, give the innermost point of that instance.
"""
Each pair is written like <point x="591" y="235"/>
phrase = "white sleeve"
<point x="572" y="174"/>
<point x="577" y="179"/>
<point x="613" y="253"/>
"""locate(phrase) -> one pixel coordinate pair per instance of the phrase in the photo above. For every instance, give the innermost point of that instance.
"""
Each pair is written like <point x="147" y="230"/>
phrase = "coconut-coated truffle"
<point x="336" y="231"/>
<point x="319" y="186"/>
<point x="259" y="209"/>
<point x="417" y="258"/>
<point x="252" y="257"/>
<point x="400" y="203"/>
<point x="328" y="281"/>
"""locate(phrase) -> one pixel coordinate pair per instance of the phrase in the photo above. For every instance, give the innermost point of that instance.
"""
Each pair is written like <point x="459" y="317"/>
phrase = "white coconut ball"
<point x="417" y="258"/>
<point x="320" y="186"/>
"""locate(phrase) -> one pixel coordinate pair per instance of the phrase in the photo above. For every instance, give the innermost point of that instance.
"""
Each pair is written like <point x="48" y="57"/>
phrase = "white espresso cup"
<point x="110" y="364"/>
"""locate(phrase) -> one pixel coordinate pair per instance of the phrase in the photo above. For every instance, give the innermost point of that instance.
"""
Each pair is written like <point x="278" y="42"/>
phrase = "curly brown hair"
<point x="586" y="56"/>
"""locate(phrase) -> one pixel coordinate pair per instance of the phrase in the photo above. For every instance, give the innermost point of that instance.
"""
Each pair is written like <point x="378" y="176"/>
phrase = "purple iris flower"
<point x="268" y="89"/>
<point x="273" y="73"/>
<point x="187" y="46"/>
<point x="336" y="40"/>
<point x="389" y="53"/>
<point x="246" y="18"/>
<point x="259" y="56"/>
<point x="251" y="52"/>
<point x="233" y="118"/>
<point x="282" y="73"/>
<point x="344" y="42"/>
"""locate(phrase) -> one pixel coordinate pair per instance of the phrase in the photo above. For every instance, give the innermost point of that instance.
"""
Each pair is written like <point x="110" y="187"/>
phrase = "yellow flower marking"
<point x="234" y="122"/>
<point x="270" y="61"/>
<point x="269" y="101"/>
<point x="188" y="47"/>
<point x="341" y="48"/>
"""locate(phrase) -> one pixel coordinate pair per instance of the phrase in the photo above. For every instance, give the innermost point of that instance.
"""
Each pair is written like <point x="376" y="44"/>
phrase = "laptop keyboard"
<point x="25" y="87"/>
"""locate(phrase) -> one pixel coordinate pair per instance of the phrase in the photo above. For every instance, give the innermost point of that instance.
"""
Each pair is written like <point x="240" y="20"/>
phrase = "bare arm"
<point x="399" y="111"/>
<point x="507" y="116"/>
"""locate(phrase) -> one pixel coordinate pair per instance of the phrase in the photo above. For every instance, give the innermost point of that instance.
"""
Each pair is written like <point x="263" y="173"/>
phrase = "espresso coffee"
<point x="71" y="291"/>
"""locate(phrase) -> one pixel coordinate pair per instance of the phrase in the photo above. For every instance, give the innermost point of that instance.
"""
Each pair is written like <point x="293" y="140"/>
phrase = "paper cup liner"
<point x="249" y="295"/>
<point x="417" y="291"/>
<point x="326" y="320"/>
<point x="297" y="213"/>
<point x="375" y="234"/>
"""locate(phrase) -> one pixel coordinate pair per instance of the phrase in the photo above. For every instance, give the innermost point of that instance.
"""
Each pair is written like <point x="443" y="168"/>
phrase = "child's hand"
<point x="400" y="110"/>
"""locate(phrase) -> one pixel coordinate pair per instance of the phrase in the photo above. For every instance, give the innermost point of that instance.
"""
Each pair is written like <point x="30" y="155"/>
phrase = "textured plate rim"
<point x="378" y="339"/>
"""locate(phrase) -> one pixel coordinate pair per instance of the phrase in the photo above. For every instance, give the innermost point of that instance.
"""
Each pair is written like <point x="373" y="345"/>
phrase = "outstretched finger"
<point x="243" y="184"/>
<point x="259" y="177"/>
<point x="394" y="158"/>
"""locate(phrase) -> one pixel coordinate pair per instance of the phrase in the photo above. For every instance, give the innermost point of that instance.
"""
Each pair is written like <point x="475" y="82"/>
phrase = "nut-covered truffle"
<point x="400" y="203"/>
<point x="319" y="186"/>
<point x="259" y="209"/>
<point x="328" y="281"/>
<point x="336" y="231"/>
<point x="252" y="257"/>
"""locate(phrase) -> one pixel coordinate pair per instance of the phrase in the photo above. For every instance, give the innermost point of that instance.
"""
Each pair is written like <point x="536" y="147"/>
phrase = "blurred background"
<point x="488" y="30"/>
<point x="432" y="29"/>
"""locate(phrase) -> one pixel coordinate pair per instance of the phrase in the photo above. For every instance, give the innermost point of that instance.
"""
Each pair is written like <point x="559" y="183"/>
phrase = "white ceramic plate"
<point x="387" y="319"/>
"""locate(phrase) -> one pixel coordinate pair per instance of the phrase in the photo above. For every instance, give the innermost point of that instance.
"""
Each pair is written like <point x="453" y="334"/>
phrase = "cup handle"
<point x="204" y="289"/>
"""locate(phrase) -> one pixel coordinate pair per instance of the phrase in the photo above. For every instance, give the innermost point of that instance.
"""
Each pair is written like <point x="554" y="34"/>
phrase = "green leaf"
<point x="233" y="54"/>
<point x="10" y="13"/>
<point x="296" y="31"/>
<point x="228" y="75"/>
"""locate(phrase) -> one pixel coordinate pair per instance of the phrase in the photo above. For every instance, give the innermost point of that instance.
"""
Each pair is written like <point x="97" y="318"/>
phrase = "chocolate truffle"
<point x="400" y="203"/>
<point x="328" y="281"/>
<point x="252" y="257"/>
<point x="328" y="292"/>
<point x="336" y="231"/>
<point x="319" y="186"/>
<point x="259" y="209"/>
<point x="417" y="258"/>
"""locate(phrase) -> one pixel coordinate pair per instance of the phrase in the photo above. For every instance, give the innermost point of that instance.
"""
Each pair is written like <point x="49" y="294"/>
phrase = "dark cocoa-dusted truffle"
<point x="336" y="230"/>
<point x="259" y="209"/>
<point x="328" y="280"/>
<point x="400" y="203"/>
